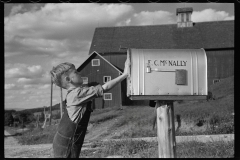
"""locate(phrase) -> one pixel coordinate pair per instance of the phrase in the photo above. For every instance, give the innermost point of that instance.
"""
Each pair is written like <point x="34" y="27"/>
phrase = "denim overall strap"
<point x="63" y="137"/>
<point x="69" y="138"/>
<point x="80" y="133"/>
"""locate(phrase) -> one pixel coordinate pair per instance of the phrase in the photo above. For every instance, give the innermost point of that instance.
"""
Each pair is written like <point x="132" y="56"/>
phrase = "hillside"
<point x="196" y="117"/>
<point x="211" y="117"/>
<point x="223" y="88"/>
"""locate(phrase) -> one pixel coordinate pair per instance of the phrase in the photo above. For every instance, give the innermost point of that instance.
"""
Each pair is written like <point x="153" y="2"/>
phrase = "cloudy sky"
<point x="40" y="36"/>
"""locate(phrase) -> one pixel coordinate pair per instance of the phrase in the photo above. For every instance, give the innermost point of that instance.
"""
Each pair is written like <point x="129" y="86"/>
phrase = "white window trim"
<point x="105" y="97"/>
<point x="216" y="81"/>
<point x="108" y="77"/>
<point x="85" y="81"/>
<point x="96" y="60"/>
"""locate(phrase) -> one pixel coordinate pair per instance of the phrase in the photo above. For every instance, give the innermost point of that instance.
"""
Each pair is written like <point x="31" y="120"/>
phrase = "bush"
<point x="31" y="126"/>
<point x="8" y="121"/>
<point x="25" y="117"/>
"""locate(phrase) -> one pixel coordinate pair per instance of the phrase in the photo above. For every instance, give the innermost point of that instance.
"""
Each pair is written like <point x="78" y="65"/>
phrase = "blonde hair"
<point x="58" y="71"/>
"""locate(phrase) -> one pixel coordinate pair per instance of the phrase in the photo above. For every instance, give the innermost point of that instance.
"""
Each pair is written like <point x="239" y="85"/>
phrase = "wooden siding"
<point x="220" y="64"/>
<point x="117" y="59"/>
<point x="216" y="34"/>
<point x="95" y="76"/>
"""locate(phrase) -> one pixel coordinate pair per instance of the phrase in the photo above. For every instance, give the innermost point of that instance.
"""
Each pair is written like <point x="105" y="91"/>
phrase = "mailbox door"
<point x="168" y="72"/>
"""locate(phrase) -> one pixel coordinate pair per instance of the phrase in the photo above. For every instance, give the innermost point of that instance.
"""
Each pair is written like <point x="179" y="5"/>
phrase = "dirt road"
<point x="12" y="149"/>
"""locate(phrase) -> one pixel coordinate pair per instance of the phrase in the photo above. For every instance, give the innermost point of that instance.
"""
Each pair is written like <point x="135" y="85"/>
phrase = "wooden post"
<point x="166" y="129"/>
<point x="44" y="110"/>
<point x="61" y="105"/>
<point x="37" y="121"/>
<point x="51" y="102"/>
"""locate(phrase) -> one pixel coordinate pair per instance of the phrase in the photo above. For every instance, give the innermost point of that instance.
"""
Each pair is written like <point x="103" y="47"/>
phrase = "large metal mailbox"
<point x="167" y="74"/>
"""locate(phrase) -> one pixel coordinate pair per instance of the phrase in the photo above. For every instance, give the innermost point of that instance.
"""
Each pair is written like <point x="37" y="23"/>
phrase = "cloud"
<point x="27" y="86"/>
<point x="25" y="80"/>
<point x="24" y="71"/>
<point x="149" y="18"/>
<point x="20" y="86"/>
<point x="11" y="86"/>
<point x="210" y="15"/>
<point x="44" y="86"/>
<point x="26" y="92"/>
<point x="28" y="75"/>
<point x="45" y="79"/>
<point x="77" y="59"/>
<point x="9" y="97"/>
<point x="58" y="29"/>
<point x="15" y="9"/>
<point x="52" y="21"/>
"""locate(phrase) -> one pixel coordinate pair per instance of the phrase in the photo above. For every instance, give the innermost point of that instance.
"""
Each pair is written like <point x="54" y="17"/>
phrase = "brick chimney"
<point x="184" y="17"/>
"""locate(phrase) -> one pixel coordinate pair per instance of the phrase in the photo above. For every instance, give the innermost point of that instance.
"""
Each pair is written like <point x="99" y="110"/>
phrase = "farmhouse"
<point x="108" y="49"/>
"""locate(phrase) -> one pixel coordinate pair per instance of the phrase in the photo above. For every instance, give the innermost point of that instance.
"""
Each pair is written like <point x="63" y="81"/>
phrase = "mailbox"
<point x="167" y="74"/>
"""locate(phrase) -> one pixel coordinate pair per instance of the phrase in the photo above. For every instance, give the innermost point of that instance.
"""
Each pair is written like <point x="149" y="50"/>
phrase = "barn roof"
<point x="184" y="10"/>
<point x="91" y="56"/>
<point x="207" y="35"/>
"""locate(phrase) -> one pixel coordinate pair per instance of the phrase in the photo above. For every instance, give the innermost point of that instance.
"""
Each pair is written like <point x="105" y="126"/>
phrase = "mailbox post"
<point x="167" y="75"/>
<point x="166" y="129"/>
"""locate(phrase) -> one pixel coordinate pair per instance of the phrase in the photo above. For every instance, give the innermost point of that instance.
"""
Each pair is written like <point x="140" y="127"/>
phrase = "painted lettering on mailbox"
<point x="167" y="62"/>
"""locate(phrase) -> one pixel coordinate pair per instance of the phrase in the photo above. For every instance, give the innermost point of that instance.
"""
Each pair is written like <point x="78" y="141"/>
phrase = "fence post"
<point x="37" y="121"/>
<point x="166" y="129"/>
<point x="61" y="105"/>
<point x="51" y="102"/>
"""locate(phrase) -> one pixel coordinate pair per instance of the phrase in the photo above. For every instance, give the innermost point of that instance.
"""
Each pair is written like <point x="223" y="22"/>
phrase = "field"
<point x="196" y="118"/>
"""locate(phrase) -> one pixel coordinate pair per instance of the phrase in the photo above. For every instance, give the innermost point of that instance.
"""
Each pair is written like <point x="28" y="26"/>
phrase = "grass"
<point x="194" y="149"/>
<point x="38" y="136"/>
<point x="197" y="118"/>
<point x="33" y="136"/>
<point x="103" y="115"/>
<point x="143" y="149"/>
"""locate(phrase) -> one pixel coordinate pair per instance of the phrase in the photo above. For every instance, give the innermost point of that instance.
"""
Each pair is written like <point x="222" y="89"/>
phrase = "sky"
<point x="38" y="36"/>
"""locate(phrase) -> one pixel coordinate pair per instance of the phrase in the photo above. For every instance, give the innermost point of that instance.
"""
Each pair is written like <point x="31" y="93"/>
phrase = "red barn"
<point x="97" y="70"/>
<point x="216" y="38"/>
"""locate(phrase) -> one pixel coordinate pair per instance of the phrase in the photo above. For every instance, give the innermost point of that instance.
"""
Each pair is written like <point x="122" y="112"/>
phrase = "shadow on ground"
<point x="16" y="134"/>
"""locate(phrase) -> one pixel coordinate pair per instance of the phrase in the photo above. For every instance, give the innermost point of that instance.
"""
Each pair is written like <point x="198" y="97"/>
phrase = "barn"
<point x="216" y="38"/>
<point x="97" y="70"/>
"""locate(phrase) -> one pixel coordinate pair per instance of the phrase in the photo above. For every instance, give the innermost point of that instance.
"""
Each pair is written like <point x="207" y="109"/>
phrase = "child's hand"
<point x="127" y="67"/>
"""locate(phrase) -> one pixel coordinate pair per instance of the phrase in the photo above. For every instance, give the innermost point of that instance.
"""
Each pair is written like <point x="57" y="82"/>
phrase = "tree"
<point x="25" y="117"/>
<point x="8" y="119"/>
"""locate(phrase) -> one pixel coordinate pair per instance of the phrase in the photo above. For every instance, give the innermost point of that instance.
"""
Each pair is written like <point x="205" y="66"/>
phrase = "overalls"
<point x="68" y="140"/>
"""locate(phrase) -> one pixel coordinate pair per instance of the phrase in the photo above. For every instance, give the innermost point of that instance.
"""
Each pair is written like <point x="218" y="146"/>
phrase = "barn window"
<point x="95" y="62"/>
<point x="85" y="80"/>
<point x="188" y="17"/>
<point x="107" y="96"/>
<point x="216" y="81"/>
<point x="182" y="17"/>
<point x="106" y="79"/>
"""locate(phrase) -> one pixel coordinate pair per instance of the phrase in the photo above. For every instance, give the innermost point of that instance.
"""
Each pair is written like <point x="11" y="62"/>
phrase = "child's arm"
<point x="110" y="84"/>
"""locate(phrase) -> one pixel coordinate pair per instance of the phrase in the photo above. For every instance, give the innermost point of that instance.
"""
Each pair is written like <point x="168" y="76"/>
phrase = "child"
<point x="68" y="140"/>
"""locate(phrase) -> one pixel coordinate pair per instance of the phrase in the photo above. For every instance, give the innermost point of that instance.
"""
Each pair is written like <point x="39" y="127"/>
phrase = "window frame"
<point x="182" y="17"/>
<point x="105" y="94"/>
<point x="187" y="17"/>
<point x="107" y="78"/>
<point x="85" y="80"/>
<point x="96" y="60"/>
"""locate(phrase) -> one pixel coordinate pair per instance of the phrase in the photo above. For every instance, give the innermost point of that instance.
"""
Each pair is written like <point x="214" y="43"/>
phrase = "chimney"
<point x="184" y="17"/>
